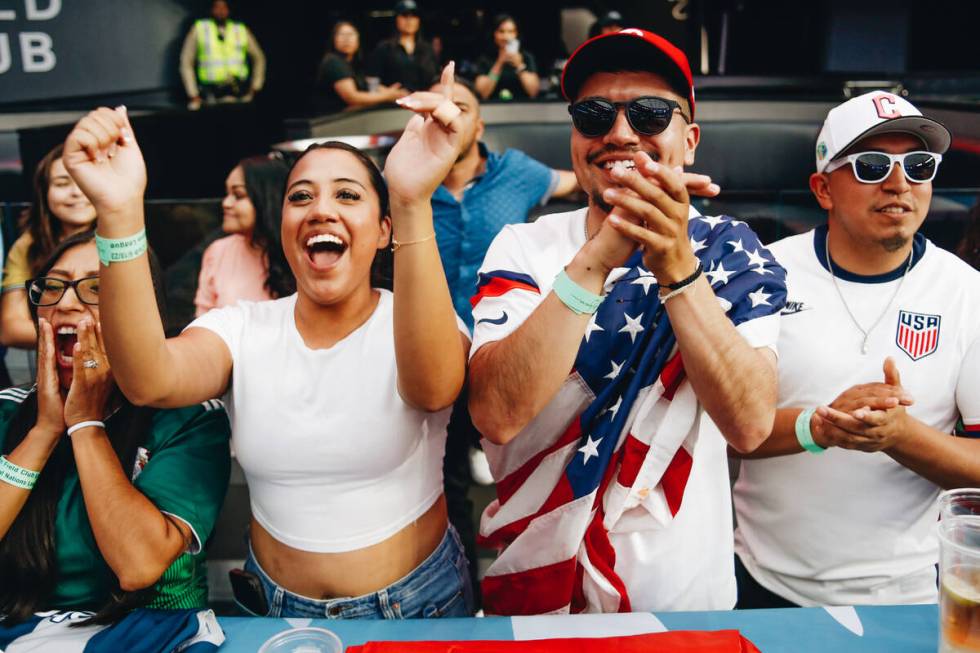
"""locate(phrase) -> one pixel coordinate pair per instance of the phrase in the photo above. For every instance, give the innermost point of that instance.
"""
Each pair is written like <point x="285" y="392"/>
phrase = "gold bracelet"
<point x="396" y="244"/>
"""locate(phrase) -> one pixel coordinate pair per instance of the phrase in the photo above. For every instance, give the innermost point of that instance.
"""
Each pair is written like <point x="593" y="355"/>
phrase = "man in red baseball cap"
<point x="608" y="344"/>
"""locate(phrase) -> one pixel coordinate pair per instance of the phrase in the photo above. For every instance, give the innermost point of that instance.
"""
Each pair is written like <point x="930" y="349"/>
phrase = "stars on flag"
<point x="698" y="245"/>
<point x="736" y="245"/>
<point x="590" y="449"/>
<point x="592" y="326"/>
<point x="633" y="326"/>
<point x="758" y="261"/>
<point x="646" y="279"/>
<point x="616" y="367"/>
<point x="712" y="220"/>
<point x="760" y="297"/>
<point x="718" y="273"/>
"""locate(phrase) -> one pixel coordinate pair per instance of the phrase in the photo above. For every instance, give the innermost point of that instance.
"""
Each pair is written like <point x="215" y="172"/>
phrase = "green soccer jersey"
<point x="182" y="467"/>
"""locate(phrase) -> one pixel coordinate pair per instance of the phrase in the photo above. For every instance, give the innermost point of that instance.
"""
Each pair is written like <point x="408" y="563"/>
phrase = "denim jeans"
<point x="439" y="587"/>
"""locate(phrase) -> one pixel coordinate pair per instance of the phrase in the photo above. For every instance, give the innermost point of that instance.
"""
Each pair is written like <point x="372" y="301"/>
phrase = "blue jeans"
<point x="439" y="587"/>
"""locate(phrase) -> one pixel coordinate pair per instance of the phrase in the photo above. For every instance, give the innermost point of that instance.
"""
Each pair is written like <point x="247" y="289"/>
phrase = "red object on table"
<point x="681" y="641"/>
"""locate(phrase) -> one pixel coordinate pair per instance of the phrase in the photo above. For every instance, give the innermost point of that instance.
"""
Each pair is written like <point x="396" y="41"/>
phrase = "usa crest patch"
<point x="917" y="334"/>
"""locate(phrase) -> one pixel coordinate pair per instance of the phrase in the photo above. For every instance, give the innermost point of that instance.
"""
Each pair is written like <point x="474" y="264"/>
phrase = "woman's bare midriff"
<point x="352" y="573"/>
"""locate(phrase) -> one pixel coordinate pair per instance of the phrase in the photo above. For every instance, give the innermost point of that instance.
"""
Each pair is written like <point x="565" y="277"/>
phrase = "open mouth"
<point x="325" y="250"/>
<point x="64" y="344"/>
<point x="621" y="164"/>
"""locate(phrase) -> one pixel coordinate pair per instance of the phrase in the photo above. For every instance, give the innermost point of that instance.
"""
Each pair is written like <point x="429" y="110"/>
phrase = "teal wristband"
<point x="117" y="250"/>
<point x="16" y="475"/>
<point x="574" y="296"/>
<point x="803" y="434"/>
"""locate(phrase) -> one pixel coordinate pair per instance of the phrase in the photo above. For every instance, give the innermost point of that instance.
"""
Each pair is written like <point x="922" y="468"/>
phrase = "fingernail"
<point x="714" y="188"/>
<point x="127" y="136"/>
<point x="610" y="193"/>
<point x="614" y="219"/>
<point x="653" y="166"/>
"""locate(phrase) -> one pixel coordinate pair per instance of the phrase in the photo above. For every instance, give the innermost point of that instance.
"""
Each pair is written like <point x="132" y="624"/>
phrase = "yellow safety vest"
<point x="219" y="61"/>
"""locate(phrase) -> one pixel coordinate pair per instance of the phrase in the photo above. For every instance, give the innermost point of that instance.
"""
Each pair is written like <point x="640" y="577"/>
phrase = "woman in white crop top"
<point x="339" y="395"/>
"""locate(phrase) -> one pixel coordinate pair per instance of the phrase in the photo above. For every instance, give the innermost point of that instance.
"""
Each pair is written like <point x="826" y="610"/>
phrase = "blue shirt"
<point x="512" y="185"/>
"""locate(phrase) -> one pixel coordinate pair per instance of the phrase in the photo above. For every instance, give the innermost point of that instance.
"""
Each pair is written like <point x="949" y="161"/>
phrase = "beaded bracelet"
<point x="18" y="476"/>
<point x="117" y="250"/>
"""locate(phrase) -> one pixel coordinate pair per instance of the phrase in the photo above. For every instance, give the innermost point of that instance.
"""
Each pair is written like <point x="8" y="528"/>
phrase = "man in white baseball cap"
<point x="879" y="349"/>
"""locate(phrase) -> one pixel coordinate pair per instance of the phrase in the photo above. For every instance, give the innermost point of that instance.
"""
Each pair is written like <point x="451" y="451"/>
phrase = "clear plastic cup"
<point x="959" y="502"/>
<point x="303" y="640"/>
<point x="959" y="584"/>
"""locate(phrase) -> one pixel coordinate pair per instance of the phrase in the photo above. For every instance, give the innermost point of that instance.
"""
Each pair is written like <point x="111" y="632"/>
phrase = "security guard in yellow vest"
<point x="214" y="62"/>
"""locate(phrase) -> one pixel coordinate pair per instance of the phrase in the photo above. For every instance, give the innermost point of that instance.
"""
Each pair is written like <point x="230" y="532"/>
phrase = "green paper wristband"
<point x="574" y="296"/>
<point x="117" y="250"/>
<point x="15" y="475"/>
<point x="803" y="434"/>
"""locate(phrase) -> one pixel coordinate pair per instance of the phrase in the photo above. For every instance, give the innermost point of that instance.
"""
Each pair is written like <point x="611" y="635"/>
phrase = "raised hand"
<point x="102" y="156"/>
<point x="428" y="147"/>
<point x="50" y="406"/>
<point x="92" y="382"/>
<point x="652" y="209"/>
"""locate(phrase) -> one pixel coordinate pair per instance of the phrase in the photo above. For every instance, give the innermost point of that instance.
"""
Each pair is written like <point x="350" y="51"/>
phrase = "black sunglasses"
<point x="648" y="115"/>
<point x="48" y="291"/>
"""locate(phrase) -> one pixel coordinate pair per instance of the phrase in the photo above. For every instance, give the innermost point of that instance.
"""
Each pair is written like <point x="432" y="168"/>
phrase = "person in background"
<point x="405" y="59"/>
<point x="483" y="192"/>
<point x="58" y="210"/>
<point x="339" y="392"/>
<point x="104" y="506"/>
<point x="511" y="72"/>
<point x="214" y="61"/>
<point x="340" y="82"/>
<point x="610" y="21"/>
<point x="248" y="263"/>
<point x="879" y="352"/>
<point x="969" y="247"/>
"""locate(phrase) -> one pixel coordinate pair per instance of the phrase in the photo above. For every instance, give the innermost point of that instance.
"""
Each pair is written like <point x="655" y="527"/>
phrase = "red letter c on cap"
<point x="885" y="106"/>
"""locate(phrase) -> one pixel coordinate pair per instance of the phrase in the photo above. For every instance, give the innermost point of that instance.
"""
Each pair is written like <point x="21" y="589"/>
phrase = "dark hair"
<point x="969" y="248"/>
<point x="265" y="183"/>
<point x="27" y="552"/>
<point x="45" y="228"/>
<point x="381" y="269"/>
<point x="495" y="23"/>
<point x="332" y="48"/>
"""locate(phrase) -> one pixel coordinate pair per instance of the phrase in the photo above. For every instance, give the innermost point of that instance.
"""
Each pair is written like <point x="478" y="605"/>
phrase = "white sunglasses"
<point x="874" y="167"/>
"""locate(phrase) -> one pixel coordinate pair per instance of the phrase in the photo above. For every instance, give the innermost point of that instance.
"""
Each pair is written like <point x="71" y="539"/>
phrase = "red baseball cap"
<point x="628" y="49"/>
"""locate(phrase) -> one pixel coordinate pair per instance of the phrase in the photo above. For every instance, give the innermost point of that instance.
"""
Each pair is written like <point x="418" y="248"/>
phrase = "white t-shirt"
<point x="334" y="458"/>
<point x="687" y="565"/>
<point x="847" y="527"/>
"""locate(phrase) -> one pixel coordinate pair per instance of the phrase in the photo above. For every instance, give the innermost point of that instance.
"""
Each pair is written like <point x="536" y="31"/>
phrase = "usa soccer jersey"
<point x="615" y="497"/>
<point x="848" y="527"/>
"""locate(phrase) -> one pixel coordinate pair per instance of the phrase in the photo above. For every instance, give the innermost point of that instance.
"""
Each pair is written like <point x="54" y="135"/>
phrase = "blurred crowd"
<point x="221" y="61"/>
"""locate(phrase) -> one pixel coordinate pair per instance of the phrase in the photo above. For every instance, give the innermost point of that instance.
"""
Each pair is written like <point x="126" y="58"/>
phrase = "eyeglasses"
<point x="874" y="167"/>
<point x="48" y="291"/>
<point x="648" y="115"/>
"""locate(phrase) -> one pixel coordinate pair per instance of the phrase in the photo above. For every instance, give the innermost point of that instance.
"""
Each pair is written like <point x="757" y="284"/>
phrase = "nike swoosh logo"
<point x="500" y="320"/>
<point x="792" y="308"/>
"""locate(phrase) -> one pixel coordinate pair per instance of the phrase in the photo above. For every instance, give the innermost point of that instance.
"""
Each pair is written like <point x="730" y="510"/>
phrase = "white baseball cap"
<point x="877" y="112"/>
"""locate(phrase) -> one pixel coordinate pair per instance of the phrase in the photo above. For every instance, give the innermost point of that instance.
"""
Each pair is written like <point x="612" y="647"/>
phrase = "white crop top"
<point x="334" y="458"/>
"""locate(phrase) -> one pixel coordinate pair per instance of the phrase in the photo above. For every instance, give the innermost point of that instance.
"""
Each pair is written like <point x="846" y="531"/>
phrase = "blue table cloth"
<point x="891" y="629"/>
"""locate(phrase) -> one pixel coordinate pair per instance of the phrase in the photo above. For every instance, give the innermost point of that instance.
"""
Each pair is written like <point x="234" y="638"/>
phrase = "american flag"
<point x="623" y="419"/>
